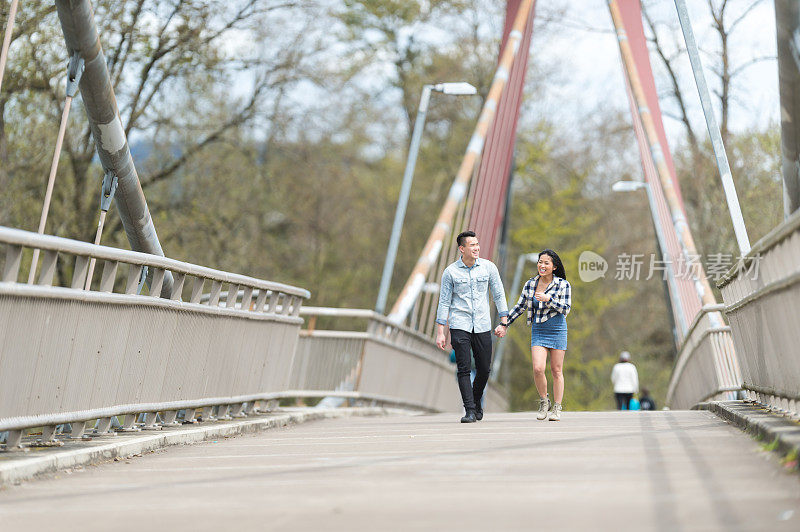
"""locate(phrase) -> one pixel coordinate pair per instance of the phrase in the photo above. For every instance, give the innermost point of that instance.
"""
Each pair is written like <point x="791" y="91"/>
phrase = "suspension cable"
<point x="74" y="72"/>
<point x="106" y="195"/>
<point x="12" y="14"/>
<point x="458" y="190"/>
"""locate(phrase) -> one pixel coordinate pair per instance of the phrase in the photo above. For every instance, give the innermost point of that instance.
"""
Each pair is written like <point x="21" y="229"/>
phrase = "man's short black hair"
<point x="462" y="237"/>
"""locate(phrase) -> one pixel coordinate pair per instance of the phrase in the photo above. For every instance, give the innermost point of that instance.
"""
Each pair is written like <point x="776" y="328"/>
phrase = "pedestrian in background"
<point x="645" y="401"/>
<point x="626" y="381"/>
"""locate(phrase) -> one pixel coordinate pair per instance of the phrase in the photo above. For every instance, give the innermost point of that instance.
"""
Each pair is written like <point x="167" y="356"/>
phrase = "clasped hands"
<point x="501" y="330"/>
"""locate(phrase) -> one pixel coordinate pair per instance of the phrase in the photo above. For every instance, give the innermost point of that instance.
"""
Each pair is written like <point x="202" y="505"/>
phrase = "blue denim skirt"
<point x="551" y="333"/>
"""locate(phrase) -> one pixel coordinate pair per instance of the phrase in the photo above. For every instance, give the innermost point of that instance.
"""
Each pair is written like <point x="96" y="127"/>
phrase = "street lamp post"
<point x="458" y="89"/>
<point x="679" y="318"/>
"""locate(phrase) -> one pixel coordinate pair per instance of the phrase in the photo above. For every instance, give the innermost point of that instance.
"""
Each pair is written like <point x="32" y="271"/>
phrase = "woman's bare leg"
<point x="539" y="356"/>
<point x="557" y="369"/>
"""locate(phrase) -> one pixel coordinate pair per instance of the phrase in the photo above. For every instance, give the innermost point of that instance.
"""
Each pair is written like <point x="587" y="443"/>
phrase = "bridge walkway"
<point x="668" y="470"/>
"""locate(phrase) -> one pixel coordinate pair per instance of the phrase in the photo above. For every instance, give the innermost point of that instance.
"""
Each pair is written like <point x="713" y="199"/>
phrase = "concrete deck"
<point x="591" y="471"/>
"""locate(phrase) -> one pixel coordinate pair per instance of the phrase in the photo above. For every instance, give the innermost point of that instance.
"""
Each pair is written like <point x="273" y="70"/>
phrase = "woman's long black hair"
<point x="558" y="267"/>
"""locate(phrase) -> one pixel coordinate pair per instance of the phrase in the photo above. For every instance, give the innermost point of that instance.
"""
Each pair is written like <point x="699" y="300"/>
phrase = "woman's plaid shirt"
<point x="560" y="293"/>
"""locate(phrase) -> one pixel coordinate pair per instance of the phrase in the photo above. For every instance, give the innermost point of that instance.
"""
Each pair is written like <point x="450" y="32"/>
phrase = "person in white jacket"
<point x="626" y="381"/>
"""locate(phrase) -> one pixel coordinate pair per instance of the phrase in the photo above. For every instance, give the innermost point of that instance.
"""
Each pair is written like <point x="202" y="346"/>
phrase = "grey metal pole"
<point x="80" y="35"/>
<point x="515" y="289"/>
<point x="12" y="13"/>
<point x="402" y="202"/>
<point x="787" y="18"/>
<point x="713" y="130"/>
<point x="677" y="307"/>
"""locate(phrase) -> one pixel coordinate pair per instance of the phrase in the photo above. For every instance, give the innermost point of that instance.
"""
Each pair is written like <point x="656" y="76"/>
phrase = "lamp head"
<point x="628" y="186"/>
<point x="461" y="88"/>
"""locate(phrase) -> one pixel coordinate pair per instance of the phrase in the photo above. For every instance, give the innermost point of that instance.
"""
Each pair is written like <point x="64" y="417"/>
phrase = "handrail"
<point x="760" y="293"/>
<point x="779" y="233"/>
<point x="705" y="309"/>
<point x="338" y="312"/>
<point x="364" y="314"/>
<point x="725" y="369"/>
<point x="18" y="237"/>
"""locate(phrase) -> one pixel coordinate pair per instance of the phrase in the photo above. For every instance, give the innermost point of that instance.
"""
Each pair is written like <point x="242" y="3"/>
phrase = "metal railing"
<point x="762" y="301"/>
<point x="68" y="355"/>
<point x="706" y="368"/>
<point x="382" y="357"/>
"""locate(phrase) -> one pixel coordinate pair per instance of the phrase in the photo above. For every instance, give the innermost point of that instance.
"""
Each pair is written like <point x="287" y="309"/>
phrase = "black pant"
<point x="465" y="345"/>
<point x="623" y="400"/>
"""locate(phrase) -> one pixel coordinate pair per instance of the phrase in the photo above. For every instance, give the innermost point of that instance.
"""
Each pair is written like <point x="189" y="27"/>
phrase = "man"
<point x="464" y="304"/>
<point x="626" y="381"/>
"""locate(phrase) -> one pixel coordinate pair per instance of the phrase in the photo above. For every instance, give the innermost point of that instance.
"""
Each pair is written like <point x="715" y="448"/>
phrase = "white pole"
<point x="713" y="130"/>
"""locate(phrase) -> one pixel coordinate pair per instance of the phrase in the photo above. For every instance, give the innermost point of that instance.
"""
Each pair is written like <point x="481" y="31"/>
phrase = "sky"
<point x="576" y="51"/>
<point x="583" y="53"/>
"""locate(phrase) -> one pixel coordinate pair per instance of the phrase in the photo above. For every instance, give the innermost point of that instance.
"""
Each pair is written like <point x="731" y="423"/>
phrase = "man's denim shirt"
<point x="464" y="297"/>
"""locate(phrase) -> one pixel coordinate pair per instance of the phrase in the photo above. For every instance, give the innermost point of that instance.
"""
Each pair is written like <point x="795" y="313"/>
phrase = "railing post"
<point x="134" y="273"/>
<point x="261" y="300"/>
<point x="11" y="266"/>
<point x="189" y="416"/>
<point x="247" y="298"/>
<point x="103" y="425"/>
<point x="213" y="299"/>
<point x="79" y="272"/>
<point x="273" y="302"/>
<point x="109" y="276"/>
<point x="233" y="293"/>
<point x="197" y="290"/>
<point x="177" y="286"/>
<point x="48" y="268"/>
<point x="49" y="434"/>
<point x="169" y="418"/>
<point x="13" y="440"/>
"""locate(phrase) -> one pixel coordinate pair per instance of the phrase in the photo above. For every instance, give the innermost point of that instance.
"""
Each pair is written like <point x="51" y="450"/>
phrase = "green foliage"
<point x="771" y="446"/>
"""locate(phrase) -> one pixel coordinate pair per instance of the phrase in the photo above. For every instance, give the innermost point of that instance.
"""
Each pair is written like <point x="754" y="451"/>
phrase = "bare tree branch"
<point x="673" y="77"/>
<point x="123" y="50"/>
<point x="238" y="119"/>
<point x="744" y="14"/>
<point x="752" y="62"/>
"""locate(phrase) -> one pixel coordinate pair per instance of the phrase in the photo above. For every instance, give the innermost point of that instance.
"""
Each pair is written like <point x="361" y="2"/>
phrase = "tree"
<point x="158" y="54"/>
<point x="698" y="175"/>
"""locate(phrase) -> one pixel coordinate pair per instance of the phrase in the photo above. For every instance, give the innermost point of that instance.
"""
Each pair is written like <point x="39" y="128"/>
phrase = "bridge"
<point x="131" y="356"/>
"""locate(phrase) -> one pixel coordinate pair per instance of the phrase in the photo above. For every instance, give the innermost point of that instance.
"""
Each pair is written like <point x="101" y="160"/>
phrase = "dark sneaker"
<point x="469" y="417"/>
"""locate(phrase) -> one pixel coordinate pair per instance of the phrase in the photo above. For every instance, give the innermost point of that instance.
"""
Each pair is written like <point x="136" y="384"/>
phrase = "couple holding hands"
<point x="464" y="307"/>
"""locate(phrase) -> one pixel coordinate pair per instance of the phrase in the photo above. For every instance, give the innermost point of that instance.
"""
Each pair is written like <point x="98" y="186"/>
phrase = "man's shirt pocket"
<point x="481" y="285"/>
<point x="461" y="287"/>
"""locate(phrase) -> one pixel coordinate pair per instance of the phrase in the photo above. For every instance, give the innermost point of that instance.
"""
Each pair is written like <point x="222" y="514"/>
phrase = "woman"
<point x="547" y="298"/>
